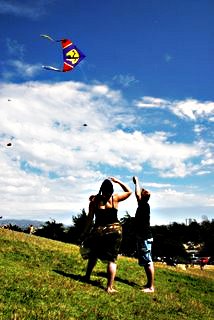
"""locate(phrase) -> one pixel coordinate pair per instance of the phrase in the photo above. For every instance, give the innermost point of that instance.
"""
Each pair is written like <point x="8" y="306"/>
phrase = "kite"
<point x="8" y="143"/>
<point x="72" y="56"/>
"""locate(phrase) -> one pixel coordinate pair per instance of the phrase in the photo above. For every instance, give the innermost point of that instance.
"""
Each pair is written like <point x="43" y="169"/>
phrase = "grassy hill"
<point x="43" y="279"/>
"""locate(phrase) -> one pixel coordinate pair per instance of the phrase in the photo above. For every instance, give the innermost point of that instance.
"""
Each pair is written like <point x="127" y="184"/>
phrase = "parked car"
<point x="170" y="261"/>
<point x="204" y="260"/>
<point x="194" y="260"/>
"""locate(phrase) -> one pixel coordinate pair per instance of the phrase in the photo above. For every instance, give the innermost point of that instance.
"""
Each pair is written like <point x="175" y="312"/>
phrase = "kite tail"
<point x="46" y="36"/>
<point x="51" y="68"/>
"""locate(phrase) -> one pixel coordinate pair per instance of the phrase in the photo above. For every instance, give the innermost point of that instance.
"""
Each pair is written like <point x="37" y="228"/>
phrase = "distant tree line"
<point x="169" y="239"/>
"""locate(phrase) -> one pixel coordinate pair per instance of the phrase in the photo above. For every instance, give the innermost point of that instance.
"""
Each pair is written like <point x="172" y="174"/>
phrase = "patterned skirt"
<point x="103" y="243"/>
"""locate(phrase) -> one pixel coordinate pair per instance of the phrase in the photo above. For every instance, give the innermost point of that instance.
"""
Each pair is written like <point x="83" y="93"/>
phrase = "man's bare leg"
<point x="149" y="269"/>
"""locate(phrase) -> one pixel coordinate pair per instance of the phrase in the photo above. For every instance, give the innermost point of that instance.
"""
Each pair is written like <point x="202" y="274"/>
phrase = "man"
<point x="144" y="235"/>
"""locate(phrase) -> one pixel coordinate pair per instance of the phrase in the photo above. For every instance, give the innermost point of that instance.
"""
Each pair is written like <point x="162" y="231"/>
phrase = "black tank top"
<point x="106" y="216"/>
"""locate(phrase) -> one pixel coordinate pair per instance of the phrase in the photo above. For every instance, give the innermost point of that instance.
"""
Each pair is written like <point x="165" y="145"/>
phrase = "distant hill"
<point x="23" y="223"/>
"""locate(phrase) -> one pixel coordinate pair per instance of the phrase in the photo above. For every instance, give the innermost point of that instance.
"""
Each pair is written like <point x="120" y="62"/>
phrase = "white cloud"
<point x="199" y="129"/>
<point x="169" y="205"/>
<point x="21" y="69"/>
<point x="171" y="198"/>
<point x="56" y="162"/>
<point x="168" y="57"/>
<point x="151" y="102"/>
<point x="208" y="156"/>
<point x="193" y="109"/>
<point x="34" y="10"/>
<point x="15" y="48"/>
<point x="157" y="185"/>
<point x="126" y="80"/>
<point x="203" y="172"/>
<point x="189" y="108"/>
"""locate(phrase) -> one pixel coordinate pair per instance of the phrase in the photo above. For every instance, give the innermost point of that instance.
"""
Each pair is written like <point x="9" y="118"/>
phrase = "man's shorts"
<point x="144" y="248"/>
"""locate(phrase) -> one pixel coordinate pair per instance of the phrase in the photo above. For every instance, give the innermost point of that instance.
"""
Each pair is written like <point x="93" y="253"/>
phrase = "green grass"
<point x="42" y="279"/>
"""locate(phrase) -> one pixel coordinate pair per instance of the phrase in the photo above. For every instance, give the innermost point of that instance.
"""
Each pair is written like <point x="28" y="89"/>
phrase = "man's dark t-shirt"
<point x="142" y="220"/>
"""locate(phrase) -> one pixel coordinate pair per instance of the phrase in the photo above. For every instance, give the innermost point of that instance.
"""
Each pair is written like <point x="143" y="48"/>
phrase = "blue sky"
<point x="145" y="91"/>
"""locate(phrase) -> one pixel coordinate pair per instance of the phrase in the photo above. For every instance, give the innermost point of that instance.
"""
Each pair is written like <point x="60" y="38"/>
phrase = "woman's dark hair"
<point x="106" y="187"/>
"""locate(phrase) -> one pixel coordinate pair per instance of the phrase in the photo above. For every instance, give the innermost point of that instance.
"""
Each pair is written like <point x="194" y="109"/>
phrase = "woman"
<point x="105" y="238"/>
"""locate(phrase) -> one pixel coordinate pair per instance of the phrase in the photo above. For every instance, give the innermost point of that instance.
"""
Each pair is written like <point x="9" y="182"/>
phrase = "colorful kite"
<point x="72" y="56"/>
